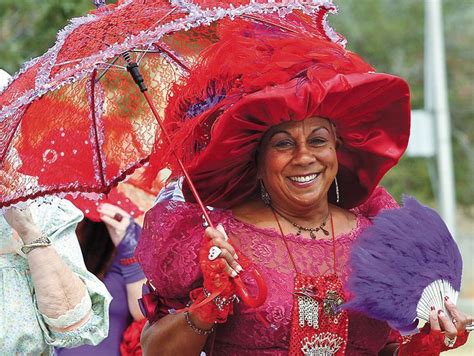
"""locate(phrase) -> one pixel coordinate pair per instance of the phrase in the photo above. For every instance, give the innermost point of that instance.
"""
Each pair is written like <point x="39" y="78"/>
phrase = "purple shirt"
<point x="119" y="314"/>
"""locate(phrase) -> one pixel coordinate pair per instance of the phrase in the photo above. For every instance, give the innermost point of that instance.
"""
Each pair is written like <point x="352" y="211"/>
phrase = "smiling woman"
<point x="288" y="135"/>
<point x="298" y="165"/>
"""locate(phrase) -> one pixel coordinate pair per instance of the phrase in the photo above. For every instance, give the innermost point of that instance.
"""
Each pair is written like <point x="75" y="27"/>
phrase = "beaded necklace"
<point x="312" y="230"/>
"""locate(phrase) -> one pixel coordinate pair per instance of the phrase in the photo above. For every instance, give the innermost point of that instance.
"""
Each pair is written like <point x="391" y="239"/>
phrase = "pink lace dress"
<point x="168" y="253"/>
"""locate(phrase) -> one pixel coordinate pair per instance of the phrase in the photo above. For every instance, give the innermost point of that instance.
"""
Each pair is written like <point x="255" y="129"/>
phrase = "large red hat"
<point x="254" y="78"/>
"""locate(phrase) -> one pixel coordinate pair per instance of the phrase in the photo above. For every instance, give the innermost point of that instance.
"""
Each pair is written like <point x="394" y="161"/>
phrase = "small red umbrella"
<point x="72" y="120"/>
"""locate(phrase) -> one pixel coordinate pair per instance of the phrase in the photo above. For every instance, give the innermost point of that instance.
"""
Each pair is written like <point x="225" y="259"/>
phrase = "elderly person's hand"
<point x="58" y="289"/>
<point x="22" y="222"/>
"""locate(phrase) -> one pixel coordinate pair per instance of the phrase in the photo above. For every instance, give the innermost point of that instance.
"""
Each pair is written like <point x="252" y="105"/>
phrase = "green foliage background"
<point x="387" y="33"/>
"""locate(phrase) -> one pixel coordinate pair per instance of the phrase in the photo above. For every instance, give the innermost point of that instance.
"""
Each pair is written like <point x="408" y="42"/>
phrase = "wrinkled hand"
<point x="116" y="229"/>
<point x="22" y="222"/>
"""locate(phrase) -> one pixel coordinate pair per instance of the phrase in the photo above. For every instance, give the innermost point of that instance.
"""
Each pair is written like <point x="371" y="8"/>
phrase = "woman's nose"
<point x="303" y="155"/>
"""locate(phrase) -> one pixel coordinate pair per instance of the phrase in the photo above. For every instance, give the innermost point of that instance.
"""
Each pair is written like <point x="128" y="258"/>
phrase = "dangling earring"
<point x="264" y="194"/>
<point x="337" y="190"/>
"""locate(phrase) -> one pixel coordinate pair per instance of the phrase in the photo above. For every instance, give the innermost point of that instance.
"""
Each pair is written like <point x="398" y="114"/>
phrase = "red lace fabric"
<point x="168" y="253"/>
<point x="72" y="120"/>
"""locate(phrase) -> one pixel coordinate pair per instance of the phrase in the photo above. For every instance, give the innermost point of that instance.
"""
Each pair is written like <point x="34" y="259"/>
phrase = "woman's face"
<point x="298" y="163"/>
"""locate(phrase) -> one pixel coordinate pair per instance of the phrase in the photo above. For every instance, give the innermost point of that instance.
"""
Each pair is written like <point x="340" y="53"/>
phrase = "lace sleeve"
<point x="72" y="316"/>
<point x="168" y="248"/>
<point x="378" y="201"/>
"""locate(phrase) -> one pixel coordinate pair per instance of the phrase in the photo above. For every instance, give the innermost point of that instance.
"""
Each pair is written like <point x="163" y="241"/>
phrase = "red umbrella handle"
<point x="241" y="289"/>
<point x="243" y="293"/>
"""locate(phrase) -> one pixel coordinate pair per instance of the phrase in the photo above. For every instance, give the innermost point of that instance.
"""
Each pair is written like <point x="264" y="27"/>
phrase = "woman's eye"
<point x="283" y="144"/>
<point x="317" y="141"/>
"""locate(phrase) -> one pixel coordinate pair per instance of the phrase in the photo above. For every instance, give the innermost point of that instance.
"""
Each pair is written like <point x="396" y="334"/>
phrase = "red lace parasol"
<point x="72" y="120"/>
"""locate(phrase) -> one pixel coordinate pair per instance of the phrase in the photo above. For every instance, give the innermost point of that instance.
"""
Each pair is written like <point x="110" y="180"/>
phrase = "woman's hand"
<point x="116" y="220"/>
<point x="451" y="327"/>
<point x="219" y="238"/>
<point x="440" y="334"/>
<point x="22" y="222"/>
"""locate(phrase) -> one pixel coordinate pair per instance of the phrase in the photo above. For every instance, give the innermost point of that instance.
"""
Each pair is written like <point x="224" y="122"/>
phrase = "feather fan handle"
<point x="403" y="264"/>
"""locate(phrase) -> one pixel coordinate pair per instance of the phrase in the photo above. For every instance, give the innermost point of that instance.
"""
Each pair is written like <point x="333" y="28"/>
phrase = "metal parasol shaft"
<point x="132" y="68"/>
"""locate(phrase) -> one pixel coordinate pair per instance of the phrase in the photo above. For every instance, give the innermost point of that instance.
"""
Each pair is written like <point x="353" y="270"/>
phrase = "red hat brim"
<point x="371" y="112"/>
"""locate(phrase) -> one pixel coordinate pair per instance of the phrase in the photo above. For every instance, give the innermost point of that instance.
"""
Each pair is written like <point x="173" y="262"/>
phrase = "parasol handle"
<point x="132" y="68"/>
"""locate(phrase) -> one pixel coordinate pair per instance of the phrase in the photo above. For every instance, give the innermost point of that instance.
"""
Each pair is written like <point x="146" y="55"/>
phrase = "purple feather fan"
<point x="403" y="264"/>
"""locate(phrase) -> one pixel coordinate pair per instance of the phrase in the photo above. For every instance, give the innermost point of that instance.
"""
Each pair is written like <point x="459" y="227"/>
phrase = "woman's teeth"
<point x="303" y="179"/>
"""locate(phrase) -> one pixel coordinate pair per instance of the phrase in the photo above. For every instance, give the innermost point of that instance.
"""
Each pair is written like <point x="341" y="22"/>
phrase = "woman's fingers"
<point x="434" y="322"/>
<point x="233" y="264"/>
<point x="111" y="210"/>
<point x="460" y="320"/>
<point x="114" y="217"/>
<point x="220" y="228"/>
<point x="447" y="325"/>
<point x="110" y="221"/>
<point x="219" y="239"/>
<point x="230" y="271"/>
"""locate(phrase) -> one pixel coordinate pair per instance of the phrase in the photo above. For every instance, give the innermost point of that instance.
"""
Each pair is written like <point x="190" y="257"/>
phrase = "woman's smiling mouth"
<point x="304" y="179"/>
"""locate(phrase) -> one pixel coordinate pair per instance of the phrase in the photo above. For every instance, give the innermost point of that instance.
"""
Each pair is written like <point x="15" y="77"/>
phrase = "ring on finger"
<point x="449" y="342"/>
<point x="118" y="217"/>
<point x="454" y="321"/>
<point x="214" y="252"/>
<point x="469" y="327"/>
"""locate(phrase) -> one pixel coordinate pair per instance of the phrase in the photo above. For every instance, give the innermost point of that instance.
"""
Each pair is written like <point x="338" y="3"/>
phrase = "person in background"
<point x="48" y="298"/>
<point x="108" y="237"/>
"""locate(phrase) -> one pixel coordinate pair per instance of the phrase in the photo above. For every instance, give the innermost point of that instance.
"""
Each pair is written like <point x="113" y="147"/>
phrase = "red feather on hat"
<point x="256" y="76"/>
